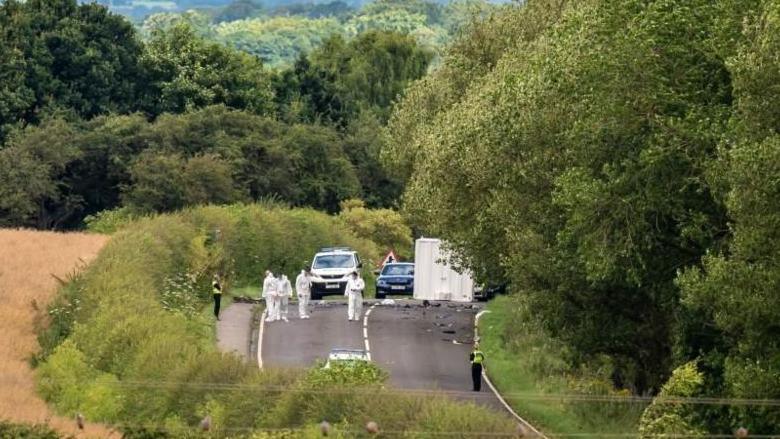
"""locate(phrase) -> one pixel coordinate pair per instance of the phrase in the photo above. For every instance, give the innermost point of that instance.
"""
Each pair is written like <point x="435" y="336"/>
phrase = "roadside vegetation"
<point x="617" y="163"/>
<point x="131" y="347"/>
<point x="533" y="372"/>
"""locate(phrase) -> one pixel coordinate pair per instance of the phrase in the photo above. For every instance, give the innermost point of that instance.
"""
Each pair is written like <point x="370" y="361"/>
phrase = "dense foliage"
<point x="57" y="54"/>
<point x="617" y="162"/>
<point x="89" y="123"/>
<point x="121" y="351"/>
<point x="213" y="155"/>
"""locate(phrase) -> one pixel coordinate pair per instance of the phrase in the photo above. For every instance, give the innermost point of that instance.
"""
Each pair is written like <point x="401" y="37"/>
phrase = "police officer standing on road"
<point x="216" y="289"/>
<point x="476" y="358"/>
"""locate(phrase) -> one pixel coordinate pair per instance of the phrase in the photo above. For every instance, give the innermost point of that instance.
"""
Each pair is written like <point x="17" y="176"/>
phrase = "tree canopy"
<point x="617" y="163"/>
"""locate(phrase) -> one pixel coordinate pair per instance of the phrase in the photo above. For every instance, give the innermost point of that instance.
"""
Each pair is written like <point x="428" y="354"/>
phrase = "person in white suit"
<point x="270" y="288"/>
<point x="285" y="292"/>
<point x="303" y="291"/>
<point x="354" y="293"/>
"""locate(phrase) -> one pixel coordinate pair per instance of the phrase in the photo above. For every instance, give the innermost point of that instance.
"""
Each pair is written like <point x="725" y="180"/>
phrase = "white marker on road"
<point x="365" y="332"/>
<point x="260" y="340"/>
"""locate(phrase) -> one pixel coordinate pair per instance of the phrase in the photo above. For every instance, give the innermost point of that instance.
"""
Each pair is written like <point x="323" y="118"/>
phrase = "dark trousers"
<point x="476" y="376"/>
<point x="217" y="299"/>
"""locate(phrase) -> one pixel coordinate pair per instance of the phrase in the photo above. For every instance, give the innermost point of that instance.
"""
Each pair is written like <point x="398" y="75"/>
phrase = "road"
<point x="422" y="349"/>
<point x="234" y="330"/>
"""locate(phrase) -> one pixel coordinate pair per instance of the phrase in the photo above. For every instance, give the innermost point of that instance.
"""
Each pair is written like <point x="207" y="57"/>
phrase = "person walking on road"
<point x="216" y="290"/>
<point x="476" y="358"/>
<point x="285" y="292"/>
<point x="303" y="291"/>
<point x="354" y="293"/>
<point x="270" y="288"/>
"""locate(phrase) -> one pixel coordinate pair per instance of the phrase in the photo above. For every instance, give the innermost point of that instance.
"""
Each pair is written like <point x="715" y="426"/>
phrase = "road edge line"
<point x="493" y="388"/>
<point x="365" y="331"/>
<point x="260" y="339"/>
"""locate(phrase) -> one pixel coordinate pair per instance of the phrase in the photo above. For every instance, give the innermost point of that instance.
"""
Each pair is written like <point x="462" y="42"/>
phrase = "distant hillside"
<point x="138" y="10"/>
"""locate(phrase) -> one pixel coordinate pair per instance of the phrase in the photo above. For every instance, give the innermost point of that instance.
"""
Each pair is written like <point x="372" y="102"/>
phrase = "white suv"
<point x="330" y="270"/>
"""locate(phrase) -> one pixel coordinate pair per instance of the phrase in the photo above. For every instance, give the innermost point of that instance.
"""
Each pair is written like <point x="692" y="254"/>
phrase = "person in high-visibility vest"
<point x="216" y="290"/>
<point x="476" y="358"/>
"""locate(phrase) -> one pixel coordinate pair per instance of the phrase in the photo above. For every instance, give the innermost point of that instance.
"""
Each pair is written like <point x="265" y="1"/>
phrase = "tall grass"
<point x="522" y="359"/>
<point x="135" y="354"/>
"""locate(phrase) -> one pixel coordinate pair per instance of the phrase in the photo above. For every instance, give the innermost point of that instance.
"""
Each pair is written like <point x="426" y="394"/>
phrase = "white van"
<point x="330" y="270"/>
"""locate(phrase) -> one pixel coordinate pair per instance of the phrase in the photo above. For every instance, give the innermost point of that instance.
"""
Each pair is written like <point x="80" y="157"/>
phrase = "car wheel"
<point x="380" y="295"/>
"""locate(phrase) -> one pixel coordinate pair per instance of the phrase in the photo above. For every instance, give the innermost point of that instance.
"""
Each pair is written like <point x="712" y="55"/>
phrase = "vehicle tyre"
<point x="380" y="296"/>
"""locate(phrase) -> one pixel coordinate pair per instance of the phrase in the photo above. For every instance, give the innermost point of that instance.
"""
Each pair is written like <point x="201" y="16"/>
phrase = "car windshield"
<point x="334" y="261"/>
<point x="398" y="270"/>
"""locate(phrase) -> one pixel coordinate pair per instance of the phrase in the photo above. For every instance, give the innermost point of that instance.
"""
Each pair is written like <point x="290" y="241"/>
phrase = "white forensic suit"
<point x="354" y="293"/>
<point x="271" y="296"/>
<point x="303" y="291"/>
<point x="285" y="292"/>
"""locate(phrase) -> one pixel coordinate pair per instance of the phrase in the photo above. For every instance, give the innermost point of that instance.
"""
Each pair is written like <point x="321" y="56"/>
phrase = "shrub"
<point x="662" y="419"/>
<point x="110" y="221"/>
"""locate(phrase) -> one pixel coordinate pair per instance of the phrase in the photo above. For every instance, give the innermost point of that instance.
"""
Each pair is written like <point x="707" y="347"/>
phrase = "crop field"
<point x="30" y="265"/>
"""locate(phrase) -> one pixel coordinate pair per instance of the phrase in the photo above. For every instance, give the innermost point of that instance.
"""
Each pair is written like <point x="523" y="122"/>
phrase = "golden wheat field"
<point x="30" y="263"/>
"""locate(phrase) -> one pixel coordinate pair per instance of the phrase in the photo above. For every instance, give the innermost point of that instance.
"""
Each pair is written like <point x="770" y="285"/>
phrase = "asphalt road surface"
<point x="421" y="348"/>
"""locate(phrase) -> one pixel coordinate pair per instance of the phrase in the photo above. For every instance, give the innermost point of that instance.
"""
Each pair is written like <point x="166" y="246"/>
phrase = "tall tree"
<point x="567" y="147"/>
<point x="187" y="72"/>
<point x="58" y="54"/>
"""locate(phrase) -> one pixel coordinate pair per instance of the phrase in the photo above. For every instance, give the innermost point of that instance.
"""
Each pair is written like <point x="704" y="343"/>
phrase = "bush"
<point x="662" y="419"/>
<point x="385" y="227"/>
<point x="109" y="221"/>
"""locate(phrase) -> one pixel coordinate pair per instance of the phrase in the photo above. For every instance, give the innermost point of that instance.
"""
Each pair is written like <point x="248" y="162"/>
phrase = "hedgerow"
<point x="135" y="352"/>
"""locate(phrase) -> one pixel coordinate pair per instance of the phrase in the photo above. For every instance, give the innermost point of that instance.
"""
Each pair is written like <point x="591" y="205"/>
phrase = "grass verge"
<point x="525" y="365"/>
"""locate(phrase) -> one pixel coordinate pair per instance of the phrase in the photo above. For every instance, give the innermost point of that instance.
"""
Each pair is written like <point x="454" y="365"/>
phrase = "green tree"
<point x="278" y="41"/>
<point x="58" y="54"/>
<point x="567" y="147"/>
<point x="372" y="70"/>
<point x="208" y="179"/>
<point x="32" y="184"/>
<point x="187" y="72"/>
<point x="735" y="288"/>
<point x="362" y="144"/>
<point x="385" y="227"/>
<point x="157" y="183"/>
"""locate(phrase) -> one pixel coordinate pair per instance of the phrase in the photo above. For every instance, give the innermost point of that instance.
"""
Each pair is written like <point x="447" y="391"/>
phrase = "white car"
<point x="330" y="270"/>
<point x="350" y="355"/>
